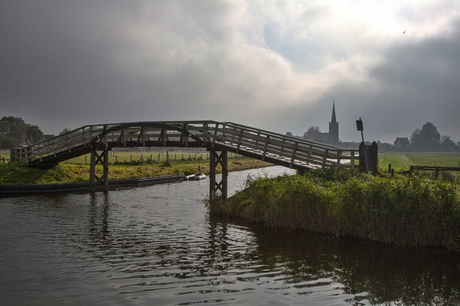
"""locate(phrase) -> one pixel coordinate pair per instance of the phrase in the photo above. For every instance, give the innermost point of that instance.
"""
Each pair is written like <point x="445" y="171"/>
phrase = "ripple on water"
<point x="144" y="246"/>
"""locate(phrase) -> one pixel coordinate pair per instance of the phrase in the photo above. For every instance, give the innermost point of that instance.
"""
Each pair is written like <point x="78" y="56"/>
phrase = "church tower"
<point x="333" y="128"/>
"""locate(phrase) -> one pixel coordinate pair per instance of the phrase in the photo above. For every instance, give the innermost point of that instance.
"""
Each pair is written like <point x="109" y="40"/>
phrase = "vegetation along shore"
<point x="398" y="209"/>
<point x="122" y="165"/>
<point x="415" y="210"/>
<point x="336" y="202"/>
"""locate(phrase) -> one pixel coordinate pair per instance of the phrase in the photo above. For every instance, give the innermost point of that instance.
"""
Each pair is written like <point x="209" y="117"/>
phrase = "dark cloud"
<point x="416" y="82"/>
<point x="66" y="64"/>
<point x="420" y="83"/>
<point x="56" y="60"/>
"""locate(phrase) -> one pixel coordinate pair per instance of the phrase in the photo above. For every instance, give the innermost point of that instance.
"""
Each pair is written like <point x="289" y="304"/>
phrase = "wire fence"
<point x="151" y="157"/>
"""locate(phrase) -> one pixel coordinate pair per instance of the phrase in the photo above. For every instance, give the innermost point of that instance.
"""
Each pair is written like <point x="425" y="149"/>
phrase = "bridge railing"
<point x="153" y="134"/>
<point x="293" y="150"/>
<point x="66" y="142"/>
<point x="113" y="135"/>
<point x="289" y="151"/>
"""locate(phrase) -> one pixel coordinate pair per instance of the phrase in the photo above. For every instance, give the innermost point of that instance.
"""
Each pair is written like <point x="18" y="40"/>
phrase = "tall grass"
<point x="401" y="210"/>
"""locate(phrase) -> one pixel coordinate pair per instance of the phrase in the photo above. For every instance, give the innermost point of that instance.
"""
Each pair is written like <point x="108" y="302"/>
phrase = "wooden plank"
<point x="255" y="141"/>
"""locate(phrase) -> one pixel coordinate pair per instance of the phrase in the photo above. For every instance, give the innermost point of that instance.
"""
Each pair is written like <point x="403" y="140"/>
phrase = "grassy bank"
<point x="77" y="170"/>
<point x="403" y="160"/>
<point x="401" y="210"/>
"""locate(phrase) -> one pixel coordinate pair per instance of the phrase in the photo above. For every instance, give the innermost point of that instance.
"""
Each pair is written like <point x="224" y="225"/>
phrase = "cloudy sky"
<point x="275" y="65"/>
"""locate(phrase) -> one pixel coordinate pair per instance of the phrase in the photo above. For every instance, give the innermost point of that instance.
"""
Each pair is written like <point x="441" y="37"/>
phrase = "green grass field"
<point x="122" y="165"/>
<point x="403" y="160"/>
<point x="142" y="164"/>
<point x="153" y="156"/>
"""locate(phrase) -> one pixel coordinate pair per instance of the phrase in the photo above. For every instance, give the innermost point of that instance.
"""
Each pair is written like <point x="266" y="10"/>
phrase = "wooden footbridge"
<point x="218" y="138"/>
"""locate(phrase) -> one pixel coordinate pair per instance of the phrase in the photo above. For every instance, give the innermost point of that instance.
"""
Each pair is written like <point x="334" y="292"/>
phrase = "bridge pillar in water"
<point x="217" y="189"/>
<point x="96" y="159"/>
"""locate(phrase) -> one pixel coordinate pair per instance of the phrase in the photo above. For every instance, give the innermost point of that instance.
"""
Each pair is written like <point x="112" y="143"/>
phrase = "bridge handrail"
<point x="231" y="134"/>
<point x="239" y="138"/>
<point x="78" y="137"/>
<point x="62" y="142"/>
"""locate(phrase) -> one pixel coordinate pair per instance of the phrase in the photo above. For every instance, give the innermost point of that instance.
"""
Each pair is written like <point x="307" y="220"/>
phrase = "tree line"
<point x="15" y="131"/>
<point x="429" y="139"/>
<point x="426" y="139"/>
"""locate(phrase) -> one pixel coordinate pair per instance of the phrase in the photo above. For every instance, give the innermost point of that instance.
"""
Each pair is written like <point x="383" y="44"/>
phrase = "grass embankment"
<point x="401" y="210"/>
<point x="403" y="160"/>
<point x="121" y="166"/>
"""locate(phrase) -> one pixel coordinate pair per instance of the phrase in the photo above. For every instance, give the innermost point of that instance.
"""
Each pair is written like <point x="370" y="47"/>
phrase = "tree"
<point x="34" y="134"/>
<point x="447" y="144"/>
<point x="14" y="131"/>
<point x="64" y="130"/>
<point x="312" y="133"/>
<point x="426" y="139"/>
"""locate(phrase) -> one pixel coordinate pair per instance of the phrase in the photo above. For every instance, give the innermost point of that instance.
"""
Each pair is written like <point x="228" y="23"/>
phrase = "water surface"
<point x="158" y="245"/>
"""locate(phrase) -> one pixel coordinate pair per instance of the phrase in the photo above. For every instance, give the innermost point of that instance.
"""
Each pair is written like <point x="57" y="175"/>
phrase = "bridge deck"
<point x="275" y="148"/>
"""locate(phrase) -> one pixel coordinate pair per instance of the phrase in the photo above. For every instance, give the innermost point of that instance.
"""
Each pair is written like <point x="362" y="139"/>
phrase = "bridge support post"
<point x="103" y="159"/>
<point x="218" y="188"/>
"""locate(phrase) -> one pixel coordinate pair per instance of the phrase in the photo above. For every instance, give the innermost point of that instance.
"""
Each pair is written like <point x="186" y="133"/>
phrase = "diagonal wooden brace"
<point x="103" y="159"/>
<point x="217" y="189"/>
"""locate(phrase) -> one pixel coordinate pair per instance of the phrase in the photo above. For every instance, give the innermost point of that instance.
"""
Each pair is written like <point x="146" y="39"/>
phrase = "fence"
<point x="153" y="157"/>
<point x="436" y="169"/>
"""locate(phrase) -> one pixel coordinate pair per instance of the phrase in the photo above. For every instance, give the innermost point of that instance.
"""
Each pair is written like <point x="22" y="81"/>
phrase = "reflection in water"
<point x="142" y="246"/>
<point x="97" y="223"/>
<point x="381" y="272"/>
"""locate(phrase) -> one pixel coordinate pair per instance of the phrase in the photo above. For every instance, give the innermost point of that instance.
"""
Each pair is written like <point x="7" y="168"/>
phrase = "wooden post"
<point x="326" y="153"/>
<point x="105" y="165"/>
<point x="375" y="156"/>
<point x="95" y="159"/>
<point x="92" y="169"/>
<point x="352" y="160"/>
<point x="218" y="188"/>
<point x="212" y="176"/>
<point x="362" y="157"/>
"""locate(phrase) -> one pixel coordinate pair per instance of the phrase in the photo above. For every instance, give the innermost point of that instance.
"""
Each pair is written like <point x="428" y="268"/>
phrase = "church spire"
<point x="333" y="128"/>
<point x="333" y="119"/>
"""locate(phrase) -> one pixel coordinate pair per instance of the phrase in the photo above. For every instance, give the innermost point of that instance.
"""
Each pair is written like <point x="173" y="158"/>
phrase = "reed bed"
<point x="400" y="210"/>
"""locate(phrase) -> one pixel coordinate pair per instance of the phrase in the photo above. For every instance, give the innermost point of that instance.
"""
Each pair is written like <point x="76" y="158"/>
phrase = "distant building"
<point x="401" y="143"/>
<point x="332" y="137"/>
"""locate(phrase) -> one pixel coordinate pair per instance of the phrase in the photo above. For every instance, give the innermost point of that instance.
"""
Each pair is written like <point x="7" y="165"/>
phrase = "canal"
<point x="158" y="245"/>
